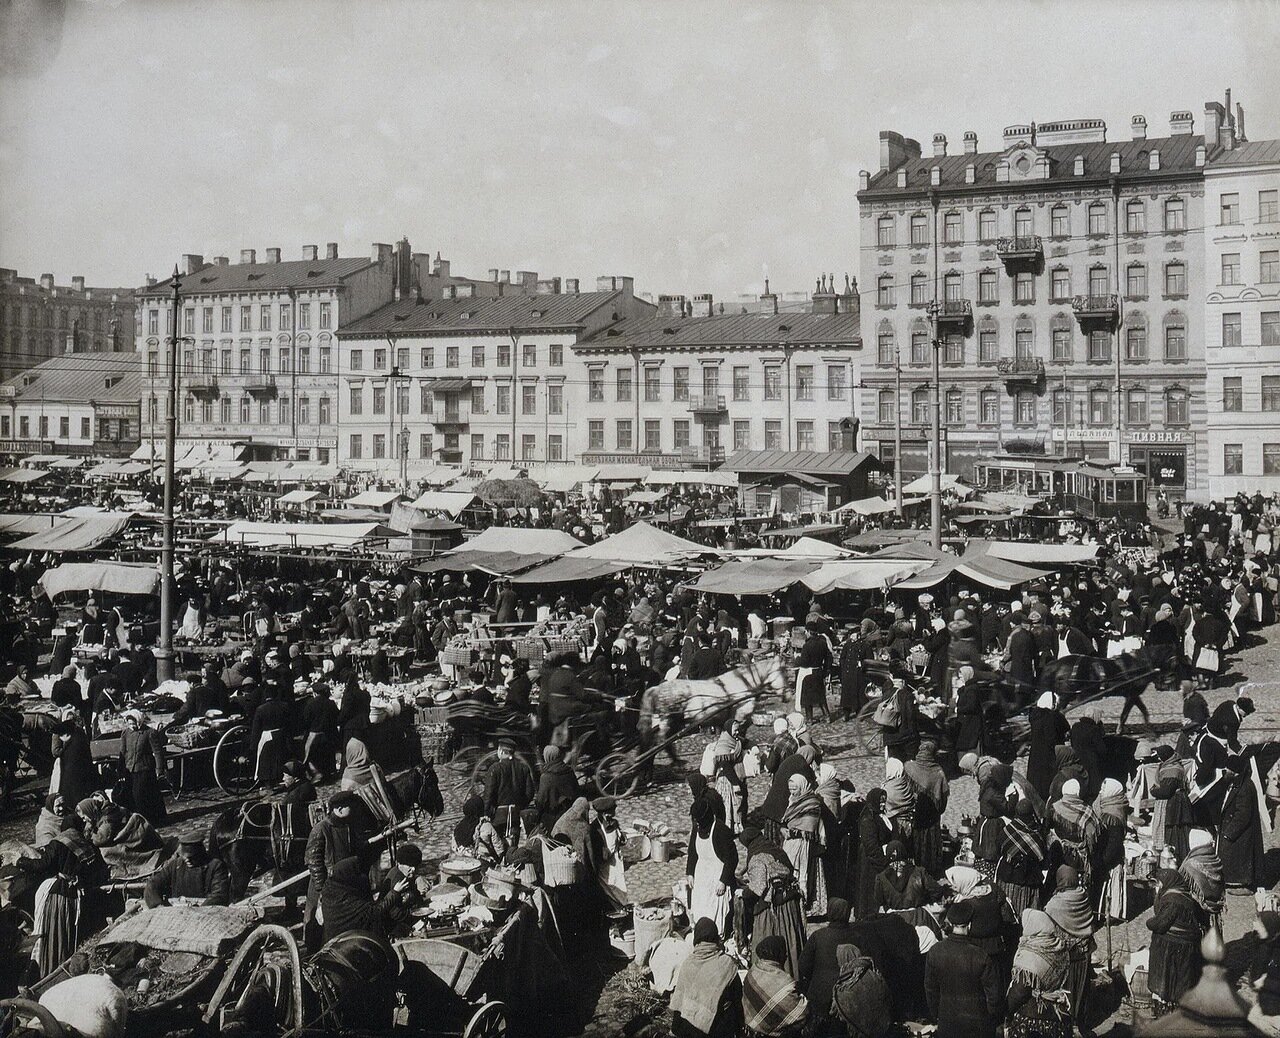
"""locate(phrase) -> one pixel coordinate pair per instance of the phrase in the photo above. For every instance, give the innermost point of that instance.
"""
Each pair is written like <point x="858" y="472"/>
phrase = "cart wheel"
<point x="466" y="759"/>
<point x="482" y="767"/>
<point x="616" y="775"/>
<point x="870" y="735"/>
<point x="489" y="1021"/>
<point x="14" y="1009"/>
<point x="233" y="766"/>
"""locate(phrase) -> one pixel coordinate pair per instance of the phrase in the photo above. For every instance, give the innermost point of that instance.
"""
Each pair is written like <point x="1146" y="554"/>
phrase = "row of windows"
<point x="1097" y="222"/>
<point x="1091" y="408"/>
<point x="378" y="443"/>
<point x="39" y="317"/>
<point x="210" y="363"/>
<point x="453" y="357"/>
<point x="651" y="429"/>
<point x="553" y="395"/>
<point x="225" y="315"/>
<point x="267" y="412"/>
<point x="1229" y="211"/>
<point x="1098" y="283"/>
<point x="1098" y="344"/>
<point x="1268" y="328"/>
<point x="804" y="383"/>
<point x="64" y="427"/>
<point x="1233" y="459"/>
<point x="1268" y="268"/>
<point x="1233" y="393"/>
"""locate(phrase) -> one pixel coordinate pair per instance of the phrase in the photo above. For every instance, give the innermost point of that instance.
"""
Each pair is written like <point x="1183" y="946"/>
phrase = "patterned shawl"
<point x="900" y="792"/>
<point x="1075" y="820"/>
<point x="1041" y="959"/>
<point x="701" y="984"/>
<point x="1110" y="805"/>
<point x="1071" y="911"/>
<point x="1019" y="838"/>
<point x="804" y="814"/>
<point x="770" y="1000"/>
<point x="1202" y="869"/>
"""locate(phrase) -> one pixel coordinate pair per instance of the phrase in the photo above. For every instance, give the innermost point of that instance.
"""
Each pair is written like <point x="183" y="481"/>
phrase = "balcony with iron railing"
<point x="704" y="454"/>
<point x="1096" y="309"/>
<point x="952" y="313"/>
<point x="1021" y="371"/>
<point x="203" y="384"/>
<point x="1023" y="251"/>
<point x="449" y="418"/>
<point x="707" y="404"/>
<point x="261" y="385"/>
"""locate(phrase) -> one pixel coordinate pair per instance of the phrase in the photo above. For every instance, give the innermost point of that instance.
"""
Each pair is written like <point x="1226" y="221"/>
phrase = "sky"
<point x="695" y="145"/>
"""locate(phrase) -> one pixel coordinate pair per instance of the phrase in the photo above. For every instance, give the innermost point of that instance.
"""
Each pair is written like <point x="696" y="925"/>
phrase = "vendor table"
<point x="175" y="756"/>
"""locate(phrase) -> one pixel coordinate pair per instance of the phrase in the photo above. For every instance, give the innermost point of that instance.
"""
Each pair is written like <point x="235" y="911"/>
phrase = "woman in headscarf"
<point x="1112" y="810"/>
<point x="931" y="801"/>
<point x="971" y="734"/>
<point x="1171" y="813"/>
<point x="771" y="897"/>
<point x="557" y="786"/>
<point x="1049" y="730"/>
<point x="67" y="902"/>
<point x="143" y="762"/>
<point x="900" y="799"/>
<point x="988" y="835"/>
<point x="1038" y="1006"/>
<point x="475" y="834"/>
<point x="1077" y="827"/>
<point x="1202" y="869"/>
<point x="580" y="906"/>
<point x="783" y="746"/>
<point x="74" y="775"/>
<point x="707" y="999"/>
<point x="874" y="833"/>
<point x="347" y="902"/>
<point x="54" y="817"/>
<point x="359" y="764"/>
<point x="903" y="886"/>
<point x="1240" y="840"/>
<point x="804" y="840"/>
<point x="712" y="863"/>
<point x="772" y="1004"/>
<point x="769" y="814"/>
<point x="699" y="788"/>
<point x="730" y="782"/>
<point x="1019" y="872"/>
<point x="1071" y="912"/>
<point x="992" y="926"/>
<point x="1177" y="925"/>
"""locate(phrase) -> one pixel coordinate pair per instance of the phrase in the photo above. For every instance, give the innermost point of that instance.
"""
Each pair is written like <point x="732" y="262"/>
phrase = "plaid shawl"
<point x="1076" y="822"/>
<point x="770" y="1001"/>
<point x="1018" y="838"/>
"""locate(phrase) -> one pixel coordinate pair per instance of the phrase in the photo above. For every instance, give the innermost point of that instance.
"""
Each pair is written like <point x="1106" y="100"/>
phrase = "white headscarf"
<point x="1071" y="788"/>
<point x="893" y="768"/>
<point x="1046" y="700"/>
<point x="1199" y="838"/>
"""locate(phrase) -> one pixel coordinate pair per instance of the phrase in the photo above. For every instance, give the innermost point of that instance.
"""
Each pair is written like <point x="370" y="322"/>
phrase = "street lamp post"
<point x="897" y="430"/>
<point x="164" y="650"/>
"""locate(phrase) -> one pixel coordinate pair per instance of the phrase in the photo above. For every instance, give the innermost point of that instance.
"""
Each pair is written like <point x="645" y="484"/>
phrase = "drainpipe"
<point x="293" y="368"/>
<point x="786" y="363"/>
<point x="515" y="349"/>
<point x="635" y="395"/>
<point x="1115" y="222"/>
<point x="935" y="460"/>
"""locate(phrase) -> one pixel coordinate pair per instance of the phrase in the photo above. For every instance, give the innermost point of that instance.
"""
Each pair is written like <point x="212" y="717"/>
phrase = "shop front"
<point x="1165" y="456"/>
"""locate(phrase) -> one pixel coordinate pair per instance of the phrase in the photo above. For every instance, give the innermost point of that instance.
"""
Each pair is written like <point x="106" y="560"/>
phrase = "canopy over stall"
<point x="1037" y="553"/>
<point x="449" y="502"/>
<point x="379" y="499"/>
<point x="119" y="577"/>
<point x="643" y="545"/>
<point x="298" y="497"/>
<point x="83" y="533"/>
<point x="25" y="475"/>
<point x="570" y="569"/>
<point x="861" y="574"/>
<point x="950" y="485"/>
<point x="496" y="563"/>
<point x="754" y="577"/>
<point x="716" y="478"/>
<point x="521" y="541"/>
<point x="301" y="535"/>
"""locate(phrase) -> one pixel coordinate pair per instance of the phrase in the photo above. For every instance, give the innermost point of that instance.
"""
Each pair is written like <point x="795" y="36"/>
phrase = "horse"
<point x="260" y="834"/>
<point x="712" y="701"/>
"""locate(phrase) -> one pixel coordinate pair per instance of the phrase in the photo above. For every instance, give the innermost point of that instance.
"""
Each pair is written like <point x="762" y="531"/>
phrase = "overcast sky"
<point x="689" y="144"/>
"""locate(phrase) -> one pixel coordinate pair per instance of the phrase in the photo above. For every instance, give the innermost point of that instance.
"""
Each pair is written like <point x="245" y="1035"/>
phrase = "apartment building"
<point x="75" y="403"/>
<point x="1242" y="313"/>
<point x="473" y="379"/>
<point x="686" y="386"/>
<point x="1058" y="276"/>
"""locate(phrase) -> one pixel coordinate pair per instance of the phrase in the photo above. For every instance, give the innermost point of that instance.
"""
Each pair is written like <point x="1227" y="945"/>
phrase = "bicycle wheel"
<point x="233" y="764"/>
<point x="617" y="775"/>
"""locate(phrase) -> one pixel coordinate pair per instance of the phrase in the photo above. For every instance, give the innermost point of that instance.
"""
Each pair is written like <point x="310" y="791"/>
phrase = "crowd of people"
<point x="820" y="904"/>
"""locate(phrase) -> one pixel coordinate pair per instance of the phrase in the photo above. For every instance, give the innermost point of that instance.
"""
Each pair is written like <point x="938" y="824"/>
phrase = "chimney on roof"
<point x="150" y="281"/>
<point x="939" y="145"/>
<point x="970" y="142"/>
<point x="442" y="267"/>
<point x="331" y="250"/>
<point x="824" y="299"/>
<point x="864" y="180"/>
<point x="220" y="261"/>
<point x="1240" y="137"/>
<point x="77" y="282"/>
<point x="404" y="269"/>
<point x="464" y="291"/>
<point x="273" y="255"/>
<point x="702" y="305"/>
<point x="380" y="252"/>
<point x="1022" y="133"/>
<point x="769" y="298"/>
<point x="849" y="297"/>
<point x="310" y="252"/>
<point x="527" y="279"/>
<point x="248" y="255"/>
<point x="493" y="274"/>
<point x="1181" y="123"/>
<point x="548" y="287"/>
<point x="571" y="286"/>
<point x="191" y="262"/>
<point x="1214" y="118"/>
<point x="504" y="275"/>
<point x="1138" y="125"/>
<point x="896" y="149"/>
<point x="670" y="305"/>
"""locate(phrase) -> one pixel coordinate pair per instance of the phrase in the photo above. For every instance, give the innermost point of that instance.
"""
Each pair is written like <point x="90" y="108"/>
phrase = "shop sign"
<point x="1083" y="435"/>
<point x="115" y="410"/>
<point x="1160" y="436"/>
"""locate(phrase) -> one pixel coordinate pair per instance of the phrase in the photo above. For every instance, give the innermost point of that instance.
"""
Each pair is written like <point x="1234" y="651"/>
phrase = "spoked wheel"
<point x="617" y="775"/>
<point x="14" y="1009"/>
<point x="482" y="767"/>
<point x="870" y="735"/>
<point x="233" y="762"/>
<point x="489" y="1021"/>
<point x="465" y="760"/>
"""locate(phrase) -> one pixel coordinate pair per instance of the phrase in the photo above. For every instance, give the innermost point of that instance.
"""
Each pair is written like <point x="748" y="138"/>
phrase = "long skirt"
<point x="704" y="902"/>
<point x="147" y="799"/>
<point x="786" y="921"/>
<point x="734" y="802"/>
<point x="1019" y="897"/>
<point x="57" y="916"/>
<point x="1040" y="1018"/>
<point x="1175" y="966"/>
<point x="1077" y="980"/>
<point x="806" y="859"/>
<point x="927" y="843"/>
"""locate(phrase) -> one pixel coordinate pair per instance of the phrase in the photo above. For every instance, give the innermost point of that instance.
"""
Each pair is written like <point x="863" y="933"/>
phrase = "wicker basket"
<point x="560" y="865"/>
<point x="428" y="715"/>
<point x="438" y="746"/>
<point x="456" y="656"/>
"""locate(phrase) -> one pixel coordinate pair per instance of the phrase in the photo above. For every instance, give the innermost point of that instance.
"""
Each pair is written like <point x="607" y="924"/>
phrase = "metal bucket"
<point x="659" y="848"/>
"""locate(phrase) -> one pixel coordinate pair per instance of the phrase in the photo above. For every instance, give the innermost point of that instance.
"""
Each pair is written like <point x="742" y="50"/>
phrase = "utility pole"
<point x="164" y="651"/>
<point x="897" y="428"/>
<point x="935" y="455"/>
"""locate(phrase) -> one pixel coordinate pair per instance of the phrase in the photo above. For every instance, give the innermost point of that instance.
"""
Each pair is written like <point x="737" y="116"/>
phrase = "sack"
<point x="886" y="713"/>
<point x="561" y="865"/>
<point x="860" y="998"/>
<point x="1207" y="659"/>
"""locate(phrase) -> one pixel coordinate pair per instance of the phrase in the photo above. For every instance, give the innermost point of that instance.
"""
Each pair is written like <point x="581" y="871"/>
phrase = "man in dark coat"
<point x="191" y="873"/>
<point x="1049" y="730"/>
<point x="960" y="982"/>
<point x="340" y="834"/>
<point x="706" y="662"/>
<point x="508" y="789"/>
<point x="1020" y="651"/>
<point x="557" y="787"/>
<point x="819" y="967"/>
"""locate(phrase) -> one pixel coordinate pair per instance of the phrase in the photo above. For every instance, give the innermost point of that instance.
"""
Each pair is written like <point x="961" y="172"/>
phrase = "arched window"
<point x="919" y="289"/>
<point x="244" y="410"/>
<point x="884" y="231"/>
<point x="952" y="286"/>
<point x="1136" y="412"/>
<point x="1025" y="408"/>
<point x="885" y="403"/>
<point x="919" y="229"/>
<point x="1175" y="278"/>
<point x="1135" y="281"/>
<point x="884" y="290"/>
<point x="1098" y="218"/>
<point x="1176" y="409"/>
<point x="886" y="352"/>
<point x="1175" y="215"/>
<point x="988" y="342"/>
<point x="1135" y="216"/>
<point x="987" y="225"/>
<point x="1099" y="281"/>
<point x="1175" y="336"/>
<point x="304" y="410"/>
<point x="1024" y="343"/>
<point x="955" y="407"/>
<point x="1022" y="222"/>
<point x="920" y="344"/>
<point x="920" y="405"/>
<point x="324" y="410"/>
<point x="988" y="287"/>
<point x="1059" y="221"/>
